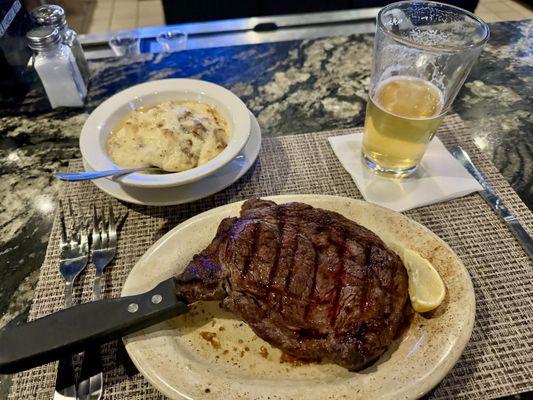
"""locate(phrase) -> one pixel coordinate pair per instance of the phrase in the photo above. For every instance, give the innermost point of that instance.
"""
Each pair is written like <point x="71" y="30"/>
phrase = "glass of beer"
<point x="423" y="52"/>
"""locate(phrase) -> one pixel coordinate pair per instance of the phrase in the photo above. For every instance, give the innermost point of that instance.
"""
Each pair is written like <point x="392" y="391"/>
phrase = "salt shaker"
<point x="52" y="15"/>
<point x="57" y="68"/>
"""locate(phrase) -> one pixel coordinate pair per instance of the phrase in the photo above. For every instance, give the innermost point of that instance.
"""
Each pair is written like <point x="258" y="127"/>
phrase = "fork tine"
<point x="96" y="229"/>
<point x="84" y="238"/>
<point x="63" y="225"/>
<point x="112" y="222"/>
<point x="75" y="236"/>
<point x="69" y="217"/>
<point x="104" y="223"/>
<point x="112" y="227"/>
<point x="95" y="218"/>
<point x="85" y="233"/>
<point x="103" y="230"/>
<point x="75" y="229"/>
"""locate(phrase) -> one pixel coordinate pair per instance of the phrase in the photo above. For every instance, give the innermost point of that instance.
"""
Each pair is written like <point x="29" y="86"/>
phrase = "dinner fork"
<point x="73" y="259"/>
<point x="104" y="247"/>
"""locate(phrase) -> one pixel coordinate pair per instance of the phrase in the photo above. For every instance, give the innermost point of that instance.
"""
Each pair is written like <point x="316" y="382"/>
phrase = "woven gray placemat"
<point x="499" y="357"/>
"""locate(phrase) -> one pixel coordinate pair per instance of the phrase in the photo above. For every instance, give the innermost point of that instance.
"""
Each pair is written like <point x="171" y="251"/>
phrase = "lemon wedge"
<point x="426" y="288"/>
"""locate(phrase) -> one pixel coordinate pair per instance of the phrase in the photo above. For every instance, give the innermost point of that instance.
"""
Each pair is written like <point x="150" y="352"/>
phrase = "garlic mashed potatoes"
<point x="173" y="135"/>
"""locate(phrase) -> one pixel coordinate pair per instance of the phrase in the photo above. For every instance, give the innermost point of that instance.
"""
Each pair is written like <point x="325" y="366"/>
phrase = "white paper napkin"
<point x="439" y="177"/>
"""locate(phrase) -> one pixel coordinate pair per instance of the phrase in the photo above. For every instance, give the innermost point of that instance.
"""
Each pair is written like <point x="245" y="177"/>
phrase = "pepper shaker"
<point x="56" y="67"/>
<point x="52" y="15"/>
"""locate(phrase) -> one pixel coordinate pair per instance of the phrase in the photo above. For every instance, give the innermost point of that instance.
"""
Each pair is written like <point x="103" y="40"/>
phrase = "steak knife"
<point x="490" y="196"/>
<point x="74" y="329"/>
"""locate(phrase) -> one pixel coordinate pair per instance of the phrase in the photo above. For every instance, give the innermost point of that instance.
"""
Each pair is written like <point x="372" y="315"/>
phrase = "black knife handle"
<point x="76" y="328"/>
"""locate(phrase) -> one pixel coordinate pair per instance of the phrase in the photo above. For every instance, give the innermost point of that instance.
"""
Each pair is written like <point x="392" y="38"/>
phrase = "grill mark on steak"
<point x="290" y="269"/>
<point x="281" y="228"/>
<point x="253" y="249"/>
<point x="366" y="267"/>
<point x="341" y="251"/>
<point x="313" y="283"/>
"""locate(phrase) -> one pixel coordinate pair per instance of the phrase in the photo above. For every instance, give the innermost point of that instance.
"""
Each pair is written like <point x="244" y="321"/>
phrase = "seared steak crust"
<point x="308" y="281"/>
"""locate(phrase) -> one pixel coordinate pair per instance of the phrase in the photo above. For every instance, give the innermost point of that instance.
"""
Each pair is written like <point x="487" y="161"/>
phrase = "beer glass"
<point x="423" y="52"/>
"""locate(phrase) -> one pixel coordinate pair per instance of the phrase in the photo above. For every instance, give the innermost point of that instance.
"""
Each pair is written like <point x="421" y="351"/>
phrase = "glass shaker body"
<point x="70" y="38"/>
<point x="60" y="76"/>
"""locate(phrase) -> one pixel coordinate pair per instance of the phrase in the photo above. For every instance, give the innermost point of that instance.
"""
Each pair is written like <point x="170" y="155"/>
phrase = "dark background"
<point x="177" y="11"/>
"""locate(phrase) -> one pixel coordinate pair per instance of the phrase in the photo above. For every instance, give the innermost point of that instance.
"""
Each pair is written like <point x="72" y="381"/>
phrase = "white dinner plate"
<point x="207" y="186"/>
<point x="178" y="360"/>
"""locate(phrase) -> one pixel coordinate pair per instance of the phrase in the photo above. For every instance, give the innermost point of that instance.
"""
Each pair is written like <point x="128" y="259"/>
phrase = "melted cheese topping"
<point x="174" y="135"/>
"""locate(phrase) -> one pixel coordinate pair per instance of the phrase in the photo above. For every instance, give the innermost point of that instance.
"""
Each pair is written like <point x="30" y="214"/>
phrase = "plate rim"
<point x="426" y="384"/>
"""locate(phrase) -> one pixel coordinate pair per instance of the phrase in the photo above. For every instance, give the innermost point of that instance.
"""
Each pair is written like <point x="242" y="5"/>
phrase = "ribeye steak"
<point x="308" y="281"/>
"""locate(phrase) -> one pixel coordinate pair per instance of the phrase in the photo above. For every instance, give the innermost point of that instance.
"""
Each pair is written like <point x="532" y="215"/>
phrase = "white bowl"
<point x="107" y="115"/>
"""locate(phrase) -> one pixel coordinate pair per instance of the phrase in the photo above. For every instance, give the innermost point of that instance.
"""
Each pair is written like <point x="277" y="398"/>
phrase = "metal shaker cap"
<point x="51" y="15"/>
<point x="43" y="38"/>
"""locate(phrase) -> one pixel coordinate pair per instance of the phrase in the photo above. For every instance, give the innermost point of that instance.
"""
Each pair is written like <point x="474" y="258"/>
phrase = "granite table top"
<point x="292" y="87"/>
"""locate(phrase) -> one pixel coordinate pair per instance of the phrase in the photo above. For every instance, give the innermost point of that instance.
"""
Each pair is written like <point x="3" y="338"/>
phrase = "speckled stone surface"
<point x="292" y="87"/>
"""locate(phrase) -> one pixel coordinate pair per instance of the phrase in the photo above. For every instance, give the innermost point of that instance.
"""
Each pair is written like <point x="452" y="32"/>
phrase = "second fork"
<point x="104" y="246"/>
<point x="103" y="250"/>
